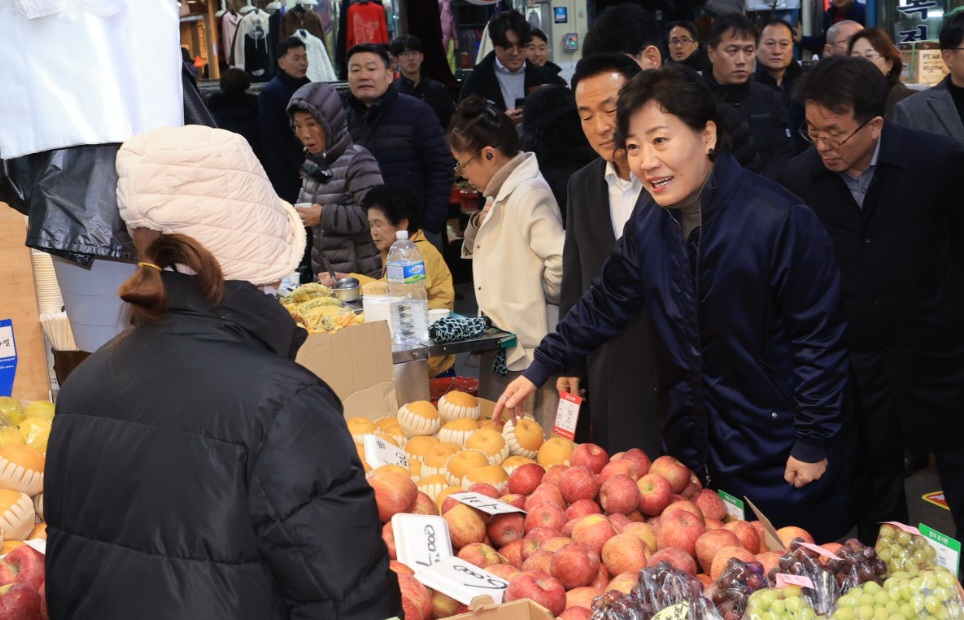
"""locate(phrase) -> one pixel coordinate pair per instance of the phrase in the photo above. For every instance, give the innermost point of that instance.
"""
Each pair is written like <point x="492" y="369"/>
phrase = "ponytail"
<point x="145" y="291"/>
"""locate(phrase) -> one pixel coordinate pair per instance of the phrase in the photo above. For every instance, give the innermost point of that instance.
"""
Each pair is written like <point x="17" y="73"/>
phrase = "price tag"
<point x="567" y="415"/>
<point x="379" y="452"/>
<point x="784" y="580"/>
<point x="679" y="611"/>
<point x="734" y="507"/>
<point x="948" y="549"/>
<point x="819" y="550"/>
<point x="485" y="503"/>
<point x="421" y="540"/>
<point x="8" y="357"/>
<point x="38" y="544"/>
<point x="462" y="581"/>
<point x="907" y="528"/>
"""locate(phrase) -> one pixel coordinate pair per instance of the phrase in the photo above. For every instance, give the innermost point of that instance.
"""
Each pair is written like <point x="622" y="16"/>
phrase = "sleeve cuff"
<point x="808" y="452"/>
<point x="537" y="372"/>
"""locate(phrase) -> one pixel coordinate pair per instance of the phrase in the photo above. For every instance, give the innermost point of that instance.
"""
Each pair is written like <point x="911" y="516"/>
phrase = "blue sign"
<point x="560" y="14"/>
<point x="8" y="357"/>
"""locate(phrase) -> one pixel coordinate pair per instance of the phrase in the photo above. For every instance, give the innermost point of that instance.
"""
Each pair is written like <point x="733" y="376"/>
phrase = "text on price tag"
<point x="379" y="452"/>
<point x="421" y="540"/>
<point x="948" y="549"/>
<point x="8" y="347"/>
<point x="567" y="415"/>
<point x="784" y="580"/>
<point x="485" y="503"/>
<point x="462" y="581"/>
<point x="734" y="506"/>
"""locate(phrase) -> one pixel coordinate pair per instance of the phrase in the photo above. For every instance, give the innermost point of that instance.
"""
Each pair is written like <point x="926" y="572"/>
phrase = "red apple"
<point x="448" y="503"/>
<point x="514" y="499"/>
<point x="602" y="578"/>
<point x="540" y="560"/>
<point x="683" y="504"/>
<point x="679" y="529"/>
<point x="623" y="553"/>
<point x="712" y="524"/>
<point x="624" y="467"/>
<point x="43" y="601"/>
<point x="637" y="456"/>
<point x="19" y="601"/>
<point x="546" y="514"/>
<point x="480" y="554"/>
<point x="425" y="505"/>
<point x="655" y="494"/>
<point x="555" y="544"/>
<point x="485" y="489"/>
<point x="574" y="565"/>
<point x="594" y="530"/>
<point x="553" y="474"/>
<point x="769" y="559"/>
<point x="589" y="455"/>
<point x="506" y="571"/>
<point x="619" y="521"/>
<point x="466" y="525"/>
<point x="636" y="516"/>
<point x="512" y="552"/>
<point x="673" y="470"/>
<point x="708" y="544"/>
<point x="749" y="539"/>
<point x="388" y="535"/>
<point x="27" y="565"/>
<point x="788" y="533"/>
<point x="525" y="478"/>
<point x="504" y="528"/>
<point x="676" y="557"/>
<point x="581" y="508"/>
<point x="646" y="532"/>
<point x="416" y="599"/>
<point x="398" y="567"/>
<point x="394" y="493"/>
<point x="578" y="482"/>
<point x="575" y="613"/>
<point x="443" y="605"/>
<point x="762" y="534"/>
<point x="581" y="597"/>
<point x="534" y="539"/>
<point x="539" y="587"/>
<point x="711" y="504"/>
<point x="706" y="581"/>
<point x="545" y="492"/>
<point x="723" y="556"/>
<point x="567" y="528"/>
<point x="690" y="492"/>
<point x="832" y="547"/>
<point x="623" y="582"/>
<point x="619" y="494"/>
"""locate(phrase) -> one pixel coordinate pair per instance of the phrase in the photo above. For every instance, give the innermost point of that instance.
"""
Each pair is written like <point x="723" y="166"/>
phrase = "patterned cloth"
<point x="455" y="328"/>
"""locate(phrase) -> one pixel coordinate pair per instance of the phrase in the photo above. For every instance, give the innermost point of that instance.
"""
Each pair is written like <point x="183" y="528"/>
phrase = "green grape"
<point x="778" y="607"/>
<point x="887" y="532"/>
<point x="907" y="610"/>
<point x="880" y="613"/>
<point x="884" y="553"/>
<point x="872" y="587"/>
<point x="793" y="605"/>
<point x="904" y="538"/>
<point x="844" y="613"/>
<point x="866" y="599"/>
<point x="881" y="598"/>
<point x="929" y="582"/>
<point x="932" y="603"/>
<point x="864" y="612"/>
<point x="805" y="613"/>
<point x="930" y="552"/>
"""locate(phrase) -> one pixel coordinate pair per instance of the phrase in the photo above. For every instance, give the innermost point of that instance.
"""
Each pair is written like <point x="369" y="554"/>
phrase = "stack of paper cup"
<point x="378" y="308"/>
<point x="49" y="298"/>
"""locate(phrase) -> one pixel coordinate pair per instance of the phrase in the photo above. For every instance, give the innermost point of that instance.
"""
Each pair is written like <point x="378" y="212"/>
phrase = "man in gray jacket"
<point x="940" y="109"/>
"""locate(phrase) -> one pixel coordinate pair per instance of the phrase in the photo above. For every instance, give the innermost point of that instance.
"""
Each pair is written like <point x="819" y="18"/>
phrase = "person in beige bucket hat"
<point x="203" y="471"/>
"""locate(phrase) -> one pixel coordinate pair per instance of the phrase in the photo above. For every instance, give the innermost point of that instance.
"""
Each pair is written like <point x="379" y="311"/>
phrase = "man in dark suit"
<point x="505" y="76"/>
<point x="940" y="109"/>
<point x="890" y="198"/>
<point x="617" y="380"/>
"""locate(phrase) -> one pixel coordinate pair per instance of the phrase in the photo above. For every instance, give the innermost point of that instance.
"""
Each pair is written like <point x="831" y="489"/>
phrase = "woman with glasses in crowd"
<point x="744" y="301"/>
<point x="874" y="45"/>
<point x="684" y="46"/>
<point x="515" y="242"/>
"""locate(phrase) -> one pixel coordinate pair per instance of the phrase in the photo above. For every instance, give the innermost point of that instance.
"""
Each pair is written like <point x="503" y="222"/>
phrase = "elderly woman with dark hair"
<point x="874" y="45"/>
<point x="743" y="293"/>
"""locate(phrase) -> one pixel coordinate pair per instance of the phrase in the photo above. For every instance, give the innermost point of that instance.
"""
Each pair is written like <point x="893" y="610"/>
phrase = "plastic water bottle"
<point x="406" y="283"/>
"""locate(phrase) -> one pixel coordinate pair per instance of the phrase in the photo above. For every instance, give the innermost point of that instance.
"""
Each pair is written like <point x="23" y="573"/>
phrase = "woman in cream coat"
<point x="515" y="242"/>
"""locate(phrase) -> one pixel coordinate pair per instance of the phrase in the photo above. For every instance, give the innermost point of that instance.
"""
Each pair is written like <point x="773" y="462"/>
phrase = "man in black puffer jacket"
<point x="402" y="132"/>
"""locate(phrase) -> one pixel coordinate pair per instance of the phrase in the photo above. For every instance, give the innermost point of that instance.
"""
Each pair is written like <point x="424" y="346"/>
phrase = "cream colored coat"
<point x="517" y="260"/>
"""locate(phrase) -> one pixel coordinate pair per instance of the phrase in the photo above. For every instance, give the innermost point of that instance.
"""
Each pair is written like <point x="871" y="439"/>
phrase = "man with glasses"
<point x="407" y="49"/>
<point x="684" y="46"/>
<point x="940" y="109"/>
<point x="890" y="198"/>
<point x="505" y="76"/>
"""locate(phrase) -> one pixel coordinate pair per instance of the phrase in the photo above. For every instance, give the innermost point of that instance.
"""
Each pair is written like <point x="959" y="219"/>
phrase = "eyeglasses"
<point x="460" y="167"/>
<point x="833" y="143"/>
<point x="408" y="53"/>
<point x="518" y="47"/>
<point x="871" y="55"/>
<point x="681" y="41"/>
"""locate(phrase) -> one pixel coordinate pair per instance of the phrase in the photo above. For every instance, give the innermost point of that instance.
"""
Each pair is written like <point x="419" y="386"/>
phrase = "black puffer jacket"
<point x="194" y="472"/>
<point x="343" y="234"/>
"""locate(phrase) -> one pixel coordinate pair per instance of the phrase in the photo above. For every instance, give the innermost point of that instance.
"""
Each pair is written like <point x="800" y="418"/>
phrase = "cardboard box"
<point x="357" y="363"/>
<point x="922" y="63"/>
<point x="516" y="610"/>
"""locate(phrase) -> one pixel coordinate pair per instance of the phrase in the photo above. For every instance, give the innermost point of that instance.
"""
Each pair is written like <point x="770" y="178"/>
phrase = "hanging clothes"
<point x="319" y="65"/>
<point x="300" y="18"/>
<point x="449" y="31"/>
<point x="229" y="29"/>
<point x="251" y="45"/>
<point x="367" y="23"/>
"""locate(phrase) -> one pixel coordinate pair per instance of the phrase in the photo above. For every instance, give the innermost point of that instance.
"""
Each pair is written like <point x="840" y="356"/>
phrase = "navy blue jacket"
<point x="281" y="152"/>
<point x="748" y="352"/>
<point x="405" y="137"/>
<point x="483" y="82"/>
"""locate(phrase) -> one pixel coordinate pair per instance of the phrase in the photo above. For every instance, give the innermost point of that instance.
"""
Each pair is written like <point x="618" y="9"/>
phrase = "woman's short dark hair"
<point x="397" y="202"/>
<point x="686" y="25"/>
<point x="234" y="81"/>
<point x="538" y="34"/>
<point x="842" y="84"/>
<point x="882" y="44"/>
<point x="477" y="123"/>
<point x="678" y="90"/>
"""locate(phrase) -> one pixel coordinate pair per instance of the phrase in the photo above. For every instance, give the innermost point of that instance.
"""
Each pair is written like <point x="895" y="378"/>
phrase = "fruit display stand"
<point x="18" y="302"/>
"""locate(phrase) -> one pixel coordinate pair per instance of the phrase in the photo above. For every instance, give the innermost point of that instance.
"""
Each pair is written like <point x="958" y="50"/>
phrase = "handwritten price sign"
<point x="462" y="581"/>
<point x="485" y="503"/>
<point x="379" y="452"/>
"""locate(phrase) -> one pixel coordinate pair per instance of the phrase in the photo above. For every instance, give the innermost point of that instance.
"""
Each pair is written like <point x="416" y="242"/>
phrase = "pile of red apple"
<point x="22" y="585"/>
<point x="589" y="528"/>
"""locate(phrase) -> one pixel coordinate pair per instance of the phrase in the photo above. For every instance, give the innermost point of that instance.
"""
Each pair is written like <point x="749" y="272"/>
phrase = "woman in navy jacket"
<point x="744" y="297"/>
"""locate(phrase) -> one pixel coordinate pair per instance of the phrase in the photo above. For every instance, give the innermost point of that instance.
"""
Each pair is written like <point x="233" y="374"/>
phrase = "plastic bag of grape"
<point x="733" y="589"/>
<point x="856" y="563"/>
<point x="931" y="593"/>
<point x="903" y="548"/>
<point x="786" y="603"/>
<point x="675" y="593"/>
<point x="802" y="561"/>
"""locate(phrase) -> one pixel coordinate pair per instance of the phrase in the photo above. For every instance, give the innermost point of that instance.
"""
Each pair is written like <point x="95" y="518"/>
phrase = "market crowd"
<point x="753" y="266"/>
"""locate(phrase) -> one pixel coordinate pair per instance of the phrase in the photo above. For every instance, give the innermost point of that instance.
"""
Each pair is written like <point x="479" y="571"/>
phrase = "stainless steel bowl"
<point x="349" y="293"/>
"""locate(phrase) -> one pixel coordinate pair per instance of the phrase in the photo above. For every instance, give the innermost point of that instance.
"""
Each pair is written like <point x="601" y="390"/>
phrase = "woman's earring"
<point x="711" y="151"/>
<point x="488" y="156"/>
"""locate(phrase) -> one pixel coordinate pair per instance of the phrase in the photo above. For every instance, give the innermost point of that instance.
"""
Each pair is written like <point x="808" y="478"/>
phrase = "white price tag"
<point x="734" y="506"/>
<point x="485" y="503"/>
<point x="8" y="347"/>
<point x="421" y="540"/>
<point x="567" y="415"/>
<point x="948" y="549"/>
<point x="379" y="452"/>
<point x="462" y="581"/>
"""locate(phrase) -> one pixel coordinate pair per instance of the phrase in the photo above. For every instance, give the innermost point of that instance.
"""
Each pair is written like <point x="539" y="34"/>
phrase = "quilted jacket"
<point x="343" y="233"/>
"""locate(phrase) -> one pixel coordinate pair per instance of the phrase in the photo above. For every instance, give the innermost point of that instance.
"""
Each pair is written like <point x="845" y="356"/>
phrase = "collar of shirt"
<point x="501" y="68"/>
<point x="622" y="197"/>
<point x="858" y="186"/>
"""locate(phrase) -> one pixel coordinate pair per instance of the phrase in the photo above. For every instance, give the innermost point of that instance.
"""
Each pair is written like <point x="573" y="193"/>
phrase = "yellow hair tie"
<point x="151" y="265"/>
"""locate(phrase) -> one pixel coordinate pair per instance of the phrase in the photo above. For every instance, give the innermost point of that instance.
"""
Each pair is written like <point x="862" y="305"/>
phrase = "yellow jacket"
<point x="438" y="286"/>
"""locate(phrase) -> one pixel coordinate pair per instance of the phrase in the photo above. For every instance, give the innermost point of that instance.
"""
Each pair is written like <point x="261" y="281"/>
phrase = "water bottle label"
<point x="407" y="273"/>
